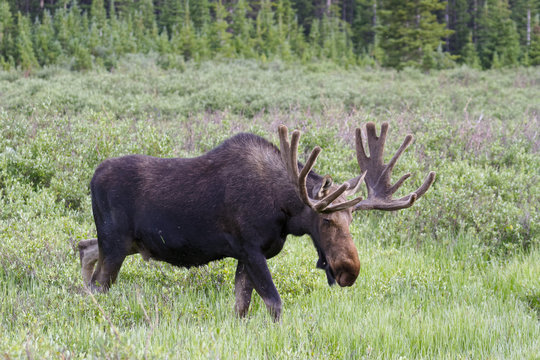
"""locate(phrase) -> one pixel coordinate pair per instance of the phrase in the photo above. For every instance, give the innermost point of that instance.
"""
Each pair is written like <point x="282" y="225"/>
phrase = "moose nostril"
<point x="346" y="279"/>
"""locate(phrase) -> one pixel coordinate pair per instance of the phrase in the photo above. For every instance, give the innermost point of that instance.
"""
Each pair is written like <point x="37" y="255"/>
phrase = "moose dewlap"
<point x="239" y="200"/>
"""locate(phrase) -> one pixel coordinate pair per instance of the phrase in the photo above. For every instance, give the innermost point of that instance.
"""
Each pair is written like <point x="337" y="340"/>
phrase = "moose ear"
<point x="321" y="190"/>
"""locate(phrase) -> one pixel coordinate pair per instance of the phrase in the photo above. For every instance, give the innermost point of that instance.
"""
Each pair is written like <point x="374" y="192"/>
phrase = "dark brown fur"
<point x="239" y="200"/>
<point x="235" y="201"/>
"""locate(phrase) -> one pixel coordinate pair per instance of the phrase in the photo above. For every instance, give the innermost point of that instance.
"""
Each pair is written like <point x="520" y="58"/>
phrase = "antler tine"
<point x="406" y="142"/>
<point x="376" y="144"/>
<point x="303" y="174"/>
<point x="430" y="178"/>
<point x="289" y="155"/>
<point x="377" y="180"/>
<point x="350" y="191"/>
<point x="295" y="139"/>
<point x="322" y="204"/>
<point x="360" y="152"/>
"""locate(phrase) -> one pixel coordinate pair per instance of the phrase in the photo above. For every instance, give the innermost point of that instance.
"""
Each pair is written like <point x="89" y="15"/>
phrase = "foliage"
<point x="85" y="33"/>
<point x="409" y="31"/>
<point x="454" y="276"/>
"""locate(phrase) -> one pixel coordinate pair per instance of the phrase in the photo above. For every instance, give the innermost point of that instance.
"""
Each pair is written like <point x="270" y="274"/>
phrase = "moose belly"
<point x="181" y="248"/>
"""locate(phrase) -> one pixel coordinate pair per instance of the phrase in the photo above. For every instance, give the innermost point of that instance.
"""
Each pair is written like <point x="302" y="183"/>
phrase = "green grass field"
<point x="455" y="276"/>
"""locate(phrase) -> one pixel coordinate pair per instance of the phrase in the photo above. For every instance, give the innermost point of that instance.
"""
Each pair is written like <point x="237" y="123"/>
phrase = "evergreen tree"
<point x="297" y="40"/>
<point x="25" y="50"/>
<point x="200" y="12"/>
<point x="306" y="12"/>
<point x="7" y="29"/>
<point x="48" y="49"/>
<point x="266" y="39"/>
<point x="330" y="33"/>
<point x="495" y="62"/>
<point x="523" y="13"/>
<point x="185" y="40"/>
<point x="407" y="28"/>
<point x="98" y="13"/>
<point x="146" y="12"/>
<point x="469" y="55"/>
<point x="241" y="26"/>
<point x="164" y="45"/>
<point x="315" y="41"/>
<point x="459" y="19"/>
<point x="428" y="60"/>
<point x="497" y="33"/>
<point x="363" y="26"/>
<point x="171" y="13"/>
<point x="534" y="49"/>
<point x="220" y="38"/>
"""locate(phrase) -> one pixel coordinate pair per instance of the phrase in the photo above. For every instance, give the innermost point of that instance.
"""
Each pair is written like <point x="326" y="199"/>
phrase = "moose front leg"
<point x="258" y="272"/>
<point x="243" y="288"/>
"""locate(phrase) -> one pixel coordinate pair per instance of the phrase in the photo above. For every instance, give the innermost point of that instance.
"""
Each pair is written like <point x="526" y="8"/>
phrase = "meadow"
<point x="455" y="276"/>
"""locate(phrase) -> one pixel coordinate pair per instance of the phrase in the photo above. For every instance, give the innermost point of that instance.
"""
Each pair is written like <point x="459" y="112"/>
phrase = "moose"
<point x="239" y="200"/>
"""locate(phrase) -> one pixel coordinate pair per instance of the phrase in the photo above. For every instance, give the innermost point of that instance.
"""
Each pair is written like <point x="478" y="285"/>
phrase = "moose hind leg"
<point x="243" y="288"/>
<point x="106" y="272"/>
<point x="112" y="252"/>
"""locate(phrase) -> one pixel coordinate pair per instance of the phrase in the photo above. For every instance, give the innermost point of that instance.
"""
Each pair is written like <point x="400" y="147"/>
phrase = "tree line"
<point x="429" y="34"/>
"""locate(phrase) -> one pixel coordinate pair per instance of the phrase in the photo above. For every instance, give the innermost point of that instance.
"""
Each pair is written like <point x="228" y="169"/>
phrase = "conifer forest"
<point x="429" y="34"/>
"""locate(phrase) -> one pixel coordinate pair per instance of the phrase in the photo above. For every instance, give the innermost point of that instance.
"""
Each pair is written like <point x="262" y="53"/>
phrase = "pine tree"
<point x="307" y="12"/>
<point x="61" y="27"/>
<point x="7" y="30"/>
<point x="171" y="14"/>
<point x="163" y="44"/>
<point x="459" y="19"/>
<point x="241" y="27"/>
<point x="220" y="38"/>
<point x="428" y="60"/>
<point x="363" y="26"/>
<point x="298" y="42"/>
<point x="497" y="33"/>
<point x="284" y="21"/>
<point x="98" y="14"/>
<point x="534" y="49"/>
<point x="48" y="49"/>
<point x="523" y="13"/>
<point x="25" y="50"/>
<point x="185" y="40"/>
<point x="495" y="62"/>
<point x="200" y="12"/>
<point x="408" y="27"/>
<point x="315" y="41"/>
<point x="146" y="12"/>
<point x="469" y="55"/>
<point x="266" y="39"/>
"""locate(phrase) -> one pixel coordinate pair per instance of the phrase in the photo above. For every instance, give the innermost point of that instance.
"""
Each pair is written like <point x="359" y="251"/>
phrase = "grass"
<point x="456" y="276"/>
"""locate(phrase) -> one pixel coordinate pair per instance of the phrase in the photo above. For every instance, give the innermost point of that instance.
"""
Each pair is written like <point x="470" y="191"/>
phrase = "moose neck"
<point x="303" y="219"/>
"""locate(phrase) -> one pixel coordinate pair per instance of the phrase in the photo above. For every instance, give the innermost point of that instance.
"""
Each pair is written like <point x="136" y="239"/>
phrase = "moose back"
<point x="239" y="200"/>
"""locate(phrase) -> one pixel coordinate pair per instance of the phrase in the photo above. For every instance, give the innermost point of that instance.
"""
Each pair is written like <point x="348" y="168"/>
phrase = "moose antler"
<point x="380" y="190"/>
<point x="289" y="155"/>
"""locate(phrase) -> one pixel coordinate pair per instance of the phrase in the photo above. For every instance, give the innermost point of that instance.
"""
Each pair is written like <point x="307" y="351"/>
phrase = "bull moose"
<point x="239" y="200"/>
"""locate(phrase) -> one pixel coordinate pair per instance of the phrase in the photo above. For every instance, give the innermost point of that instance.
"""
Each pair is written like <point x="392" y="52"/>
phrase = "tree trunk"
<point x="475" y="25"/>
<point x="374" y="13"/>
<point x="447" y="19"/>
<point x="529" y="25"/>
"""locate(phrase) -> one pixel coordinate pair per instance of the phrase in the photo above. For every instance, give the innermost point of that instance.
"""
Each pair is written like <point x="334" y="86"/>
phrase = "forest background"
<point x="429" y="34"/>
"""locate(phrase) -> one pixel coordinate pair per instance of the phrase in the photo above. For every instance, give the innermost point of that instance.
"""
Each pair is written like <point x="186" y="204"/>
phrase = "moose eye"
<point x="326" y="221"/>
